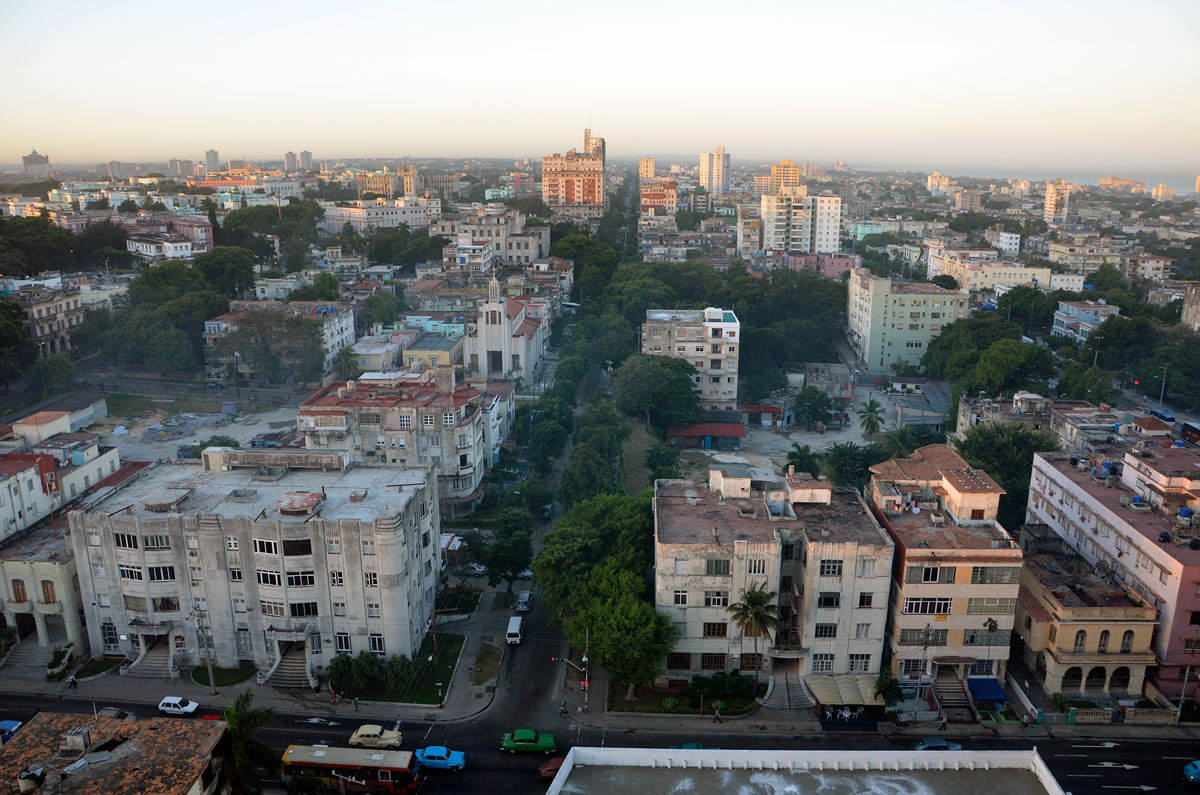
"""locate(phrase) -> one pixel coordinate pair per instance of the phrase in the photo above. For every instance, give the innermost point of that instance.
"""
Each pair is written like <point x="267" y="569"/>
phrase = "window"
<point x="136" y="604"/>
<point x="266" y="577"/>
<point x="1080" y="640"/>
<point x="298" y="579"/>
<point x="756" y="566"/>
<point x="1127" y="641"/>
<point x="1053" y="633"/>
<point x="297" y="546"/>
<point x="93" y="539"/>
<point x="831" y="568"/>
<point x="156" y="542"/>
<point x="681" y="598"/>
<point x="712" y="662"/>
<point x="448" y="418"/>
<point x="750" y="662"/>
<point x="342" y="642"/>
<point x="716" y="629"/>
<point x="405" y="422"/>
<point x="427" y="421"/>
<point x="376" y="643"/>
<point x="981" y="637"/>
<point x="866" y="567"/>
<point x="917" y="637"/>
<point x="927" y="606"/>
<point x="930" y="574"/>
<point x="368" y="547"/>
<point x="995" y="575"/>
<point x="716" y="598"/>
<point x="716" y="567"/>
<point x="266" y="546"/>
<point x="97" y="571"/>
<point x="678" y="661"/>
<point x="333" y="546"/>
<point x="373" y="610"/>
<point x="991" y="604"/>
<point x="125" y="540"/>
<point x="160" y="573"/>
<point x="239" y="605"/>
<point x="822" y="663"/>
<point x="129" y="573"/>
<point x="862" y="631"/>
<point x="829" y="599"/>
<point x="860" y="663"/>
<point x="303" y="609"/>
<point x="235" y="575"/>
<point x="271" y="608"/>
<point x="335" y="578"/>
<point x="199" y="603"/>
<point x="371" y="579"/>
<point x="865" y="599"/>
<point x="910" y="668"/>
<point x="787" y="551"/>
<point x="825" y="631"/>
<point x="1102" y="647"/>
<point x="681" y="566"/>
<point x="102" y="600"/>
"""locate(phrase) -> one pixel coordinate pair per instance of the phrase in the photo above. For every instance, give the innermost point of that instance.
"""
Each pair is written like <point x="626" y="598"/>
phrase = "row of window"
<point x="984" y="605"/>
<point x="940" y="637"/>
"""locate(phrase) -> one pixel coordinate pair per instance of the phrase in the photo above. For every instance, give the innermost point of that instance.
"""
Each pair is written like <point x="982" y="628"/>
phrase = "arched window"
<point x="1127" y="641"/>
<point x="1103" y="647"/>
<point x="1080" y="640"/>
<point x="18" y="588"/>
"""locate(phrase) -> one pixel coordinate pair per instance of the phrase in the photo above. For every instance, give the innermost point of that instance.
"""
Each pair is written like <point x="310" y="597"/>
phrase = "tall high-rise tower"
<point x="306" y="161"/>
<point x="212" y="161"/>
<point x="289" y="162"/>
<point x="714" y="171"/>
<point x="646" y="168"/>
<point x="1058" y="197"/>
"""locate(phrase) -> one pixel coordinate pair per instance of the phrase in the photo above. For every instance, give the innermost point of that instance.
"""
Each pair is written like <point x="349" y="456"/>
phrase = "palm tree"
<point x="240" y="752"/>
<point x="756" y="615"/>
<point x="345" y="362"/>
<point x="871" y="417"/>
<point x="659" y="456"/>
<point x="899" y="442"/>
<point x="848" y="461"/>
<point x="804" y="459"/>
<point x="887" y="687"/>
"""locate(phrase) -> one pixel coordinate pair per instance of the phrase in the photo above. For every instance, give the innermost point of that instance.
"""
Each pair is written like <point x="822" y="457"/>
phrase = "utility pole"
<point x="1163" y="391"/>
<point x="1187" y="669"/>
<point x="212" y="682"/>
<point x="587" y="685"/>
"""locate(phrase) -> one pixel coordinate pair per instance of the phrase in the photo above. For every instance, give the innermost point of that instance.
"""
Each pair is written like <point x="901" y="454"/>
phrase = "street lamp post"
<point x="1163" y="390"/>
<point x="1187" y="669"/>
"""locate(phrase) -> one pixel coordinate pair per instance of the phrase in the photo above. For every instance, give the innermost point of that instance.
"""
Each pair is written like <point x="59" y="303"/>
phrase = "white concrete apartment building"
<point x="1084" y="255"/>
<point x="365" y="215"/>
<point x="985" y="275"/>
<point x="1057" y="203"/>
<point x="891" y="322"/>
<point x="1077" y="320"/>
<point x="749" y="230"/>
<point x="1135" y="519"/>
<point x="514" y="241"/>
<point x="956" y="573"/>
<point x="795" y="223"/>
<point x="714" y="171"/>
<point x="817" y="547"/>
<point x="273" y="551"/>
<point x="968" y="200"/>
<point x="1008" y="242"/>
<point x="709" y="339"/>
<point x="278" y="289"/>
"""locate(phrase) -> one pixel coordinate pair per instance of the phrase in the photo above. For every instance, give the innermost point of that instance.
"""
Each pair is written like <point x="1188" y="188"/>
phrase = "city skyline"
<point x="938" y="87"/>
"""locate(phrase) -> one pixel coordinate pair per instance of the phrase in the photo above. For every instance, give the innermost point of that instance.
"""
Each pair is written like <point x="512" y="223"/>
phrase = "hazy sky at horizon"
<point x="1067" y="86"/>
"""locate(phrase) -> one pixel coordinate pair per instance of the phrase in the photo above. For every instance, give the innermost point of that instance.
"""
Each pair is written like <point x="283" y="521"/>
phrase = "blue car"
<point x="8" y="728"/>
<point x="1191" y="771"/>
<point x="439" y="757"/>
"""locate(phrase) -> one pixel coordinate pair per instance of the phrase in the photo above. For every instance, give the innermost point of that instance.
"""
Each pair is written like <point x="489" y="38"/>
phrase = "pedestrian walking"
<point x="943" y="726"/>
<point x="356" y="703"/>
<point x="1025" y="721"/>
<point x="717" y="716"/>
<point x="563" y="709"/>
<point x="332" y="696"/>
<point x="73" y="682"/>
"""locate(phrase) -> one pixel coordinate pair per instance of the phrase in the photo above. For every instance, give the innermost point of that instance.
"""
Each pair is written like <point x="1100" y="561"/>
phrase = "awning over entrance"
<point x="844" y="690"/>
<point x="987" y="689"/>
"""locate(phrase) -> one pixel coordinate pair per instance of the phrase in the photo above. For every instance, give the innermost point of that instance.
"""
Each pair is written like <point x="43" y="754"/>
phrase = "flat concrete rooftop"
<point x="917" y="530"/>
<point x="686" y="513"/>
<point x="846" y="520"/>
<point x="383" y="491"/>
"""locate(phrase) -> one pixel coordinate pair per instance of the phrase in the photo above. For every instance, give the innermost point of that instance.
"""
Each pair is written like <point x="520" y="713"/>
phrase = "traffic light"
<point x="1136" y="382"/>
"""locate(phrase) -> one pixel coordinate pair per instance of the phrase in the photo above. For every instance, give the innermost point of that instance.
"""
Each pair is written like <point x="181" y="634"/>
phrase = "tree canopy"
<point x="660" y="388"/>
<point x="1004" y="451"/>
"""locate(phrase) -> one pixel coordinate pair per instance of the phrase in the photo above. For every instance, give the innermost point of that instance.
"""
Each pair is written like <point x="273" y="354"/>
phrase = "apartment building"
<point x="938" y="255"/>
<point x="1083" y="631"/>
<point x="891" y="322"/>
<point x="404" y="419"/>
<point x="1078" y="319"/>
<point x="1133" y="519"/>
<point x="1057" y="203"/>
<point x="1191" y="307"/>
<point x="506" y="340"/>
<point x="985" y="275"/>
<point x="159" y="246"/>
<point x="956" y="574"/>
<point x="514" y="242"/>
<point x="1162" y="192"/>
<point x="937" y="182"/>
<point x="1152" y="267"/>
<point x="708" y="339"/>
<point x="38" y="583"/>
<point x="714" y="171"/>
<point x="784" y="175"/>
<point x="404" y="181"/>
<point x="573" y="184"/>
<point x="336" y="319"/>
<point x="796" y="223"/>
<point x="968" y="200"/>
<point x="646" y="168"/>
<point x="658" y="196"/>
<point x="271" y="550"/>
<point x="830" y="266"/>
<point x="278" y="289"/>
<point x="365" y="215"/>
<point x="749" y="230"/>
<point x="1007" y="242"/>
<point x="816" y="546"/>
<point x="1084" y="255"/>
<point x="50" y="314"/>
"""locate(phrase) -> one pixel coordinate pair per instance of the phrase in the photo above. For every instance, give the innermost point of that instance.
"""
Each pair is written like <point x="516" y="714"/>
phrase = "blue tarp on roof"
<point x="987" y="689"/>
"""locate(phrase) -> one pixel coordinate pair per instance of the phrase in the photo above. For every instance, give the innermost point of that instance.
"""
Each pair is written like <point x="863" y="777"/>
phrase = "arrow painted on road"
<point x="1077" y="756"/>
<point x="1102" y="745"/>
<point x="322" y="721"/>
<point x="1115" y="764"/>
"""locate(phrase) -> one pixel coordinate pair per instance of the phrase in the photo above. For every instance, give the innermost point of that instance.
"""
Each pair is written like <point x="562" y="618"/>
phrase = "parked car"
<point x="694" y="747"/>
<point x="526" y="574"/>
<point x="549" y="769"/>
<point x="439" y="757"/>
<point x="528" y="740"/>
<point x="177" y="705"/>
<point x="476" y="570"/>
<point x="372" y="735"/>
<point x="1191" y="771"/>
<point x="213" y="385"/>
<point x="113" y="712"/>
<point x="548" y="511"/>
<point x="936" y="744"/>
<point x="524" y="600"/>
<point x="8" y="728"/>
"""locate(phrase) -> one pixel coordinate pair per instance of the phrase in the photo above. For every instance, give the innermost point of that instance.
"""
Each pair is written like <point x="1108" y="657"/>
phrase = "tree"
<point x="1087" y="383"/>
<point x="97" y="204"/>
<point x="888" y="688"/>
<point x="659" y="456"/>
<point x="660" y="388"/>
<point x="54" y="371"/>
<point x="1007" y="366"/>
<point x="219" y="440"/>
<point x="813" y="406"/>
<point x="345" y="363"/>
<point x="127" y="206"/>
<point x="586" y="475"/>
<point x="594" y="261"/>
<point x="17" y="350"/>
<point x="947" y="282"/>
<point x="1004" y="451"/>
<point x="870" y="417"/>
<point x="803" y="459"/>
<point x="900" y="442"/>
<point x="1028" y="303"/>
<point x="756" y="615"/>
<point x="241" y="754"/>
<point x="229" y="270"/>
<point x="1107" y="277"/>
<point x="507" y="555"/>
<point x="384" y="308"/>
<point x="170" y="352"/>
<point x="952" y="354"/>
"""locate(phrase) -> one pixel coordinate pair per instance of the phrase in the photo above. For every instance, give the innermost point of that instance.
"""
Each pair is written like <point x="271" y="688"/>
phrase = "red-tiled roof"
<point x="708" y="429"/>
<point x="123" y="473"/>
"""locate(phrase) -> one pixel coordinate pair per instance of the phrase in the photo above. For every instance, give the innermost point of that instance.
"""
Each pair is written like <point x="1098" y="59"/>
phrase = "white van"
<point x="513" y="636"/>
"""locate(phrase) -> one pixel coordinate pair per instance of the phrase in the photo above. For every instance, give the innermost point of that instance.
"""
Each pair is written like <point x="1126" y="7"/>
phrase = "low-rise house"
<point x="1076" y="320"/>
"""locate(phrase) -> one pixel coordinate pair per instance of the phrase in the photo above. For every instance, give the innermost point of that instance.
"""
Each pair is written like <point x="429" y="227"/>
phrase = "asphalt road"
<point x="1081" y="766"/>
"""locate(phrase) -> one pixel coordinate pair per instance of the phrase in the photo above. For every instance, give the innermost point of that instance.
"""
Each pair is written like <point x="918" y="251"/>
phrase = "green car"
<point x="694" y="747"/>
<point x="528" y="740"/>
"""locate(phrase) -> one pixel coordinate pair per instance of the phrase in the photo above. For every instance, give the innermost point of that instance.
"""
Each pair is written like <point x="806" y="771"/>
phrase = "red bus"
<point x="353" y="769"/>
<point x="1190" y="432"/>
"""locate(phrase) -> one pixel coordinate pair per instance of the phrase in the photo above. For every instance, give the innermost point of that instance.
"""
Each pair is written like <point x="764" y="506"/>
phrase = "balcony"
<point x="13" y="606"/>
<point x="50" y="608"/>
<point x="788" y="651"/>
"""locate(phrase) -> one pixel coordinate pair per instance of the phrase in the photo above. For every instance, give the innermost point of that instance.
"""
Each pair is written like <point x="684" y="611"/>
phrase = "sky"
<point x="1014" y="87"/>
